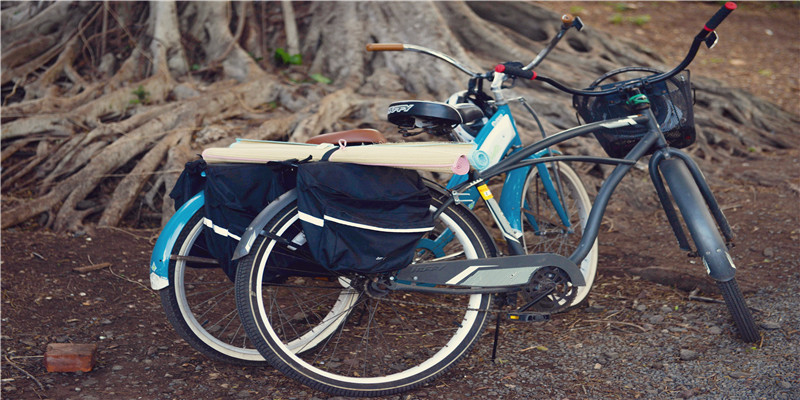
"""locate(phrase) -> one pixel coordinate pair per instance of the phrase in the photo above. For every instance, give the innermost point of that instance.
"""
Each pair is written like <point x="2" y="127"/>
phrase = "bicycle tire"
<point x="200" y="302"/>
<point x="386" y="343"/>
<point x="737" y="306"/>
<point x="544" y="231"/>
<point x="707" y="239"/>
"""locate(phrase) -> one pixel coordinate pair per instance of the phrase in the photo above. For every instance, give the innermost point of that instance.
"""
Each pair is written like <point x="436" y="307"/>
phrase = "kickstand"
<point x="496" y="336"/>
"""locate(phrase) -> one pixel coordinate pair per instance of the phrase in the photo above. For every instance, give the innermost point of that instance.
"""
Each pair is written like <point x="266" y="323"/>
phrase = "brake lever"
<point x="711" y="40"/>
<point x="578" y="24"/>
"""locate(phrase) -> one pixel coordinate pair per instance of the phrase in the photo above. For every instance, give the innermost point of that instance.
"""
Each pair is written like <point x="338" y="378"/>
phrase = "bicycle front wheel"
<point x="379" y="342"/>
<point x="555" y="209"/>
<point x="200" y="302"/>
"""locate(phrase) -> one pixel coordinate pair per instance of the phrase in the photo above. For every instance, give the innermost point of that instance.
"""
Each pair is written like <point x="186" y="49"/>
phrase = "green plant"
<point x="321" y="79"/>
<point x="576" y="10"/>
<point x="616" y="19"/>
<point x="142" y="96"/>
<point x="640" y="20"/>
<point x="282" y="56"/>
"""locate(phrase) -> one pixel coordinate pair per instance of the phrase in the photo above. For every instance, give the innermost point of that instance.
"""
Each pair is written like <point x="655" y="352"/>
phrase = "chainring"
<point x="547" y="278"/>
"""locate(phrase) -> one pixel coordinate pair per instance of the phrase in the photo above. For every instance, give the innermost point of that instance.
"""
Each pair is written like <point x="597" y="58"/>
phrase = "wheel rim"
<point x="213" y="302"/>
<point x="373" y="345"/>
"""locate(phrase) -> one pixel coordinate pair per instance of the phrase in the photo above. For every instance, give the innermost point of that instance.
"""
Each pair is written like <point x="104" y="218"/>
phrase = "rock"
<point x="784" y="385"/>
<point x="715" y="330"/>
<point x="768" y="252"/>
<point x="738" y="375"/>
<point x="656" y="319"/>
<point x="689" y="355"/>
<point x="770" y="325"/>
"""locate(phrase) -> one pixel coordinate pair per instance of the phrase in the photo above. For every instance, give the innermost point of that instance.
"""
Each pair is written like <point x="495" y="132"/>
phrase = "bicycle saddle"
<point x="353" y="136"/>
<point x="405" y="113"/>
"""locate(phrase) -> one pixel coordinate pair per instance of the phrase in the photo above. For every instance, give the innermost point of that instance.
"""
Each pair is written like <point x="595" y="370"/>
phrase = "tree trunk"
<point x="88" y="140"/>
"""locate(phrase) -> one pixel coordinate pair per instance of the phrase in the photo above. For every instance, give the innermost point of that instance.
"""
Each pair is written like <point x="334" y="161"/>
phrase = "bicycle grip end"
<point x="567" y="19"/>
<point x="385" y="47"/>
<point x="723" y="12"/>
<point x="515" y="70"/>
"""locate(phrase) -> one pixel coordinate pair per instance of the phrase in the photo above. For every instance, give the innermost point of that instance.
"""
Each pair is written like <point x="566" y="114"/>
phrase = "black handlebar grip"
<point x="719" y="16"/>
<point x="515" y="69"/>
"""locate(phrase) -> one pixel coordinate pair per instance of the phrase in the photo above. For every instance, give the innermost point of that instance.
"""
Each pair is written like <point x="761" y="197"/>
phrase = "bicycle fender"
<point x="698" y="219"/>
<point x="159" y="259"/>
<point x="260" y="221"/>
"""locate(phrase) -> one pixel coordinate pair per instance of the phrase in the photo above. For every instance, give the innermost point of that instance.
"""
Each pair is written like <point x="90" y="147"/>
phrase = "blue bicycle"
<point x="547" y="203"/>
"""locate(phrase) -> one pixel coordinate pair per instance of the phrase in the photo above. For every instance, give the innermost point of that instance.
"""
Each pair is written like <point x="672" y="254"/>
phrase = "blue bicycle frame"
<point x="514" y="184"/>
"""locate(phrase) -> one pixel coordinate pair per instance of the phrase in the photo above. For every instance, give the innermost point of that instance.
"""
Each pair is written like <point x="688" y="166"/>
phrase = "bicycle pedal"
<point x="528" y="316"/>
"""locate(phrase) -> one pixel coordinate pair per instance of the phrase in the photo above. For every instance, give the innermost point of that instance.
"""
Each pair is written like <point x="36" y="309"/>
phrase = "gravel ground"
<point x="649" y="349"/>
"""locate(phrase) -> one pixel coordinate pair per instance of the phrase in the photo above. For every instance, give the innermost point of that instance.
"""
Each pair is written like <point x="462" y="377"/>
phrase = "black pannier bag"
<point x="362" y="219"/>
<point x="234" y="195"/>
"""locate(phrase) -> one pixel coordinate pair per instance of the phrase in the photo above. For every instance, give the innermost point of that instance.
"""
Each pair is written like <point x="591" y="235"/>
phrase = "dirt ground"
<point x="140" y="357"/>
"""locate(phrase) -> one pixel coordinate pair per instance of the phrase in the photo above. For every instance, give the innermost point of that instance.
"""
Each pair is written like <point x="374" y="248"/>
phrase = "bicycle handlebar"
<point x="723" y="12"/>
<point x="709" y="27"/>
<point x="516" y="70"/>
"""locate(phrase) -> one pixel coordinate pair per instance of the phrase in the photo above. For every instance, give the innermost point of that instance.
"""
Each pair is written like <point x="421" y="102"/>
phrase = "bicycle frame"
<point x="680" y="183"/>
<point x="501" y="128"/>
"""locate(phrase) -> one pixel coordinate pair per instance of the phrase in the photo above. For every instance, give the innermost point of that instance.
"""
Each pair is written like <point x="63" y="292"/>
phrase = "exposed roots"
<point x="91" y="136"/>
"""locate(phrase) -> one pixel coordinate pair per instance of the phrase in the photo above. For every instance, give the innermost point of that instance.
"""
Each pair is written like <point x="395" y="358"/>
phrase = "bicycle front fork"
<point x="700" y="210"/>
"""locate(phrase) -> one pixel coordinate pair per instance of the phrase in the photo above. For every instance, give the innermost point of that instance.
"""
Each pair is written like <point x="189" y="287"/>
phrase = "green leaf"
<point x="281" y="55"/>
<point x="295" y="59"/>
<point x="321" y="79"/>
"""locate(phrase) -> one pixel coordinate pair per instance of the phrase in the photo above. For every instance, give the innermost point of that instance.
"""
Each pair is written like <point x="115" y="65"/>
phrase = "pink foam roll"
<point x="461" y="165"/>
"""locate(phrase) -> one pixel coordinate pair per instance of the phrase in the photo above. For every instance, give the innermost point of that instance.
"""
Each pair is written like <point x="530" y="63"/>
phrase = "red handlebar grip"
<point x="515" y="71"/>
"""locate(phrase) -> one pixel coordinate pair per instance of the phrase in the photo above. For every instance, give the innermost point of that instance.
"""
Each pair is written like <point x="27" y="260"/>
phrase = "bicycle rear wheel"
<point x="545" y="230"/>
<point x="200" y="302"/>
<point x="383" y="342"/>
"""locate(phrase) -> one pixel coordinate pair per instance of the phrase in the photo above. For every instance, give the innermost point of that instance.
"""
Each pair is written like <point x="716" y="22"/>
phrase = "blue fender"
<point x="159" y="260"/>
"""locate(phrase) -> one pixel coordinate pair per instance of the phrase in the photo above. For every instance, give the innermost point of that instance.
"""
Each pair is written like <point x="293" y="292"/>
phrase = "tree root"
<point x="123" y="139"/>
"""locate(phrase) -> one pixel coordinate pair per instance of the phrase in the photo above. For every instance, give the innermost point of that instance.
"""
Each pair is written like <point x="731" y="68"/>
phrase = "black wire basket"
<point x="670" y="100"/>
